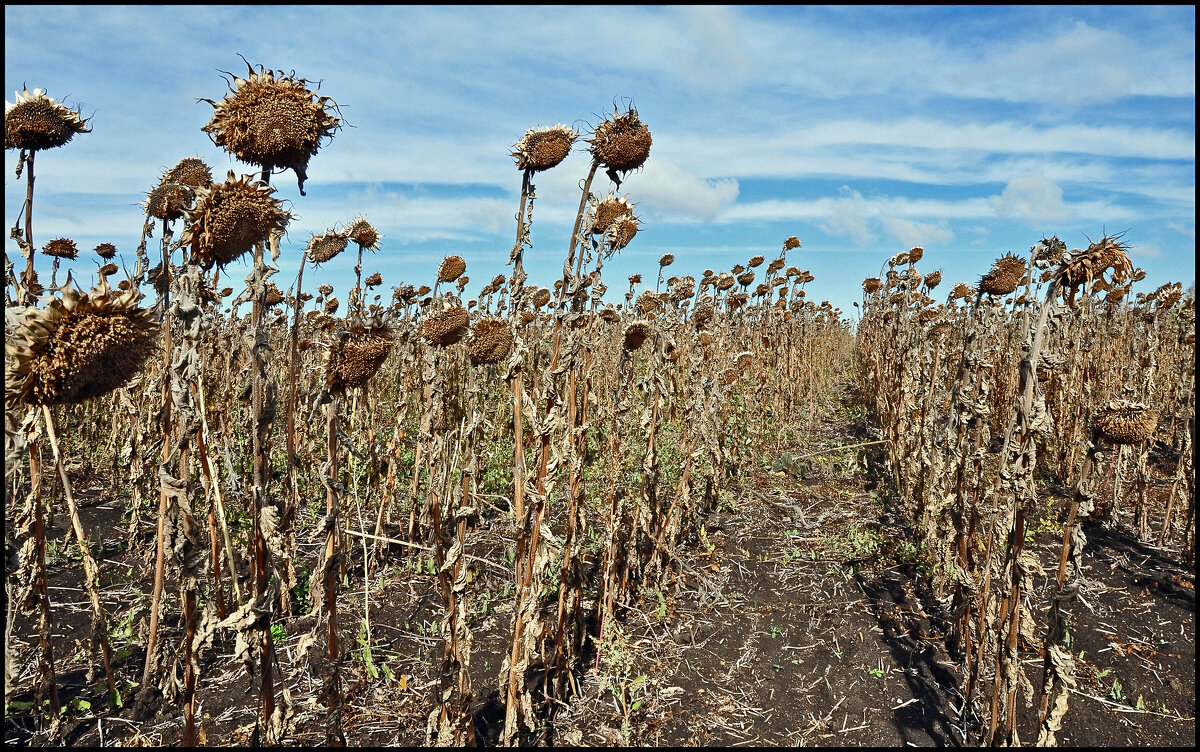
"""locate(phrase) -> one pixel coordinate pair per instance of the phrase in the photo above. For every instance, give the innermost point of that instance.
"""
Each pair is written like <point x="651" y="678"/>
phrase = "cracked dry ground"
<point x="791" y="622"/>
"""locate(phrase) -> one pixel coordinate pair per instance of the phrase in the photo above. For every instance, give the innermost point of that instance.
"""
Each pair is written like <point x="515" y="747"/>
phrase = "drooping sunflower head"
<point x="1079" y="269"/>
<point x="169" y="200"/>
<point x="36" y="122"/>
<point x="81" y="345"/>
<point x="227" y="219"/>
<point x="621" y="143"/>
<point x="636" y="334"/>
<point x="356" y="356"/>
<point x="451" y="268"/>
<point x="790" y="243"/>
<point x="1126" y="422"/>
<point x="1004" y="276"/>
<point x="491" y="341"/>
<point x="63" y="248"/>
<point x="447" y="327"/>
<point x="607" y="212"/>
<point x="622" y="230"/>
<point x="106" y="251"/>
<point x="272" y="119"/>
<point x="545" y="147"/>
<point x="364" y="234"/>
<point x="321" y="248"/>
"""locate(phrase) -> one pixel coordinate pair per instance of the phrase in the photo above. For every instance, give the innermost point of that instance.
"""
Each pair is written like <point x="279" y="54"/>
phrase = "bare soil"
<point x="793" y="620"/>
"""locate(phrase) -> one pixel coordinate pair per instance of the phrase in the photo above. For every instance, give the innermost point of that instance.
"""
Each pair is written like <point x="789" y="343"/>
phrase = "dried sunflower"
<point x="106" y="251"/>
<point x="447" y="327"/>
<point x="357" y="355"/>
<point x="271" y="119"/>
<point x="545" y="147"/>
<point x="227" y="219"/>
<point x="190" y="171"/>
<point x="1005" y="275"/>
<point x="364" y="234"/>
<point x="635" y="335"/>
<point x="1080" y="268"/>
<point x="1126" y="422"/>
<point x="622" y="230"/>
<point x="169" y="201"/>
<point x="491" y="340"/>
<point x="322" y="248"/>
<point x="63" y="248"/>
<point x="36" y="122"/>
<point x="621" y="143"/>
<point x="608" y="211"/>
<point x="451" y="268"/>
<point x="82" y="345"/>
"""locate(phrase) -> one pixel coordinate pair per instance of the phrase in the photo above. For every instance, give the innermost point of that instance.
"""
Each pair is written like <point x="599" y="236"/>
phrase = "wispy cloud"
<point x="1032" y="198"/>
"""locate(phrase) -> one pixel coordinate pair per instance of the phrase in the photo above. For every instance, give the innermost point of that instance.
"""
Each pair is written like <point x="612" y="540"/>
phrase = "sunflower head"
<point x="790" y="243"/>
<point x="63" y="248"/>
<point x="447" y="327"/>
<point x="272" y="119"/>
<point x="607" y="212"/>
<point x="635" y="335"/>
<point x="542" y="148"/>
<point x="621" y="143"/>
<point x="321" y="248"/>
<point x="106" y="251"/>
<point x="169" y="201"/>
<point x="191" y="171"/>
<point x="491" y="340"/>
<point x="227" y="219"/>
<point x="357" y="356"/>
<point x="36" y="122"/>
<point x="622" y="230"/>
<point x="451" y="268"/>
<point x="1125" y="421"/>
<point x="1005" y="275"/>
<point x="82" y="345"/>
<point x="363" y="234"/>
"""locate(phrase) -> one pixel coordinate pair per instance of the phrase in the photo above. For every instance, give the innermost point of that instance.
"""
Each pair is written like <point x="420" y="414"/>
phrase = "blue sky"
<point x="863" y="131"/>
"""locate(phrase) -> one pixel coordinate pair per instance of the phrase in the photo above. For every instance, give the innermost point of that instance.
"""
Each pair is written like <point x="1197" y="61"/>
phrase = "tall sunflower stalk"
<point x="247" y="124"/>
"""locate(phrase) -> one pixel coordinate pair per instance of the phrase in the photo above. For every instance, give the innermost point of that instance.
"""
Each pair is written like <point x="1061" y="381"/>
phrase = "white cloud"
<point x="908" y="232"/>
<point x="1146" y="250"/>
<point x="675" y="194"/>
<point x="1183" y="230"/>
<point x="1032" y="198"/>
